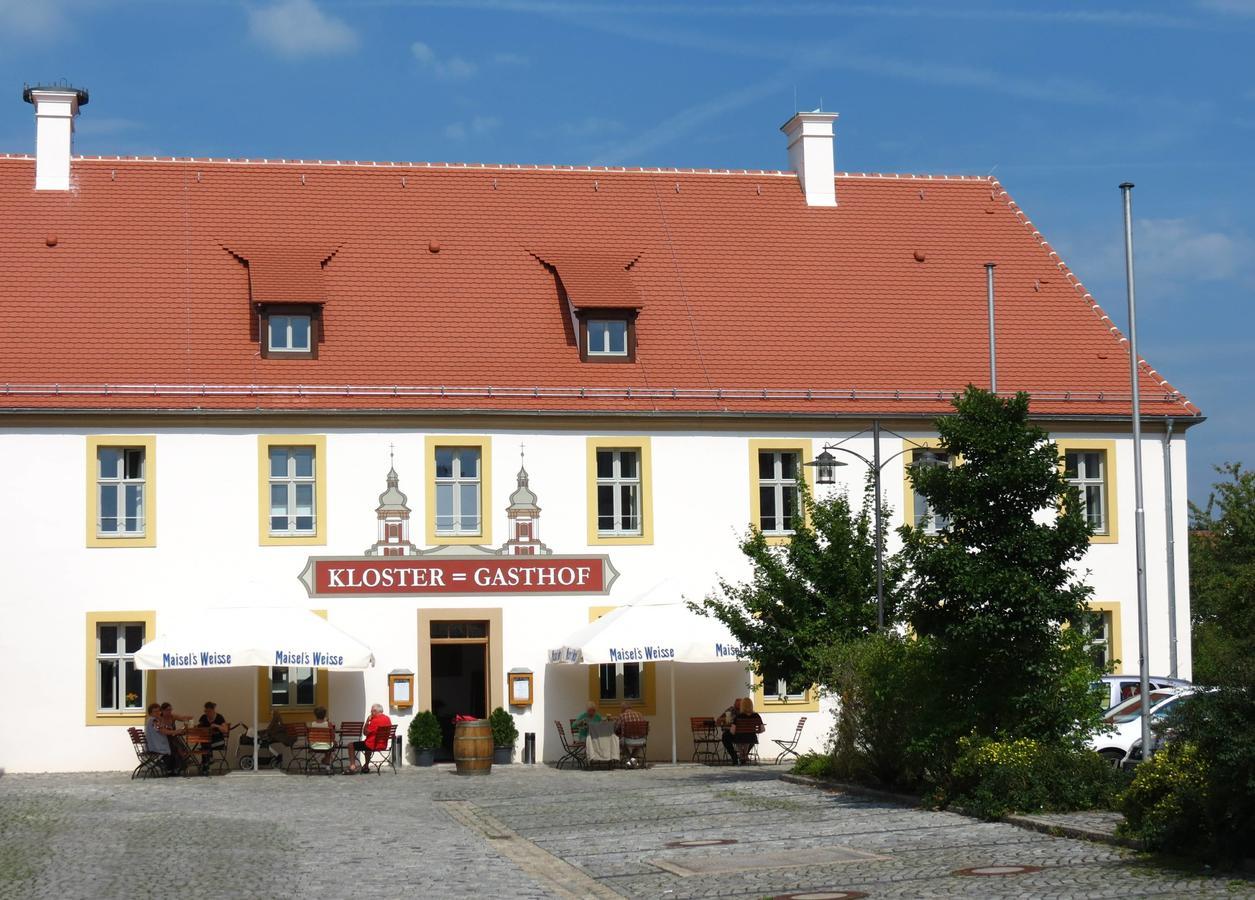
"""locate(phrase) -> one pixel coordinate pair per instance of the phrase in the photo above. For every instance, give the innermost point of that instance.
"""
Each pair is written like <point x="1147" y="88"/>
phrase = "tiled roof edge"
<point x="503" y="167"/>
<point x="999" y="192"/>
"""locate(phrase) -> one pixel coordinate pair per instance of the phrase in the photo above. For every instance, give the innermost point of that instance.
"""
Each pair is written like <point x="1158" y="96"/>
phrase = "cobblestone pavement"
<point x="528" y="832"/>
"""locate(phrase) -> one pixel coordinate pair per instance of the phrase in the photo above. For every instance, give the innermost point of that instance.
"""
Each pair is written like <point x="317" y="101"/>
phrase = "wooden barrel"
<point x="472" y="747"/>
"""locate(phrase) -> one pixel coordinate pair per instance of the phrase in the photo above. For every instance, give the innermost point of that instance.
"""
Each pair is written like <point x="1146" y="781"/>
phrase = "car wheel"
<point x="1113" y="756"/>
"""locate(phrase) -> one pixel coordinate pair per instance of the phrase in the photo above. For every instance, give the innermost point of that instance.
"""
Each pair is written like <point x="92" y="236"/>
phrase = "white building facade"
<point x="462" y="530"/>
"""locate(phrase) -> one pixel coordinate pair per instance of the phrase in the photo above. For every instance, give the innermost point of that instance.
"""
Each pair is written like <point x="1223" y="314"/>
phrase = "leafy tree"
<point x="1222" y="581"/>
<point x="803" y="597"/>
<point x="995" y="590"/>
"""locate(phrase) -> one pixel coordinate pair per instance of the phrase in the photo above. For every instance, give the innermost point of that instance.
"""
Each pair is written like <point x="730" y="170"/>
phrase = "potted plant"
<point x="504" y="734"/>
<point x="425" y="737"/>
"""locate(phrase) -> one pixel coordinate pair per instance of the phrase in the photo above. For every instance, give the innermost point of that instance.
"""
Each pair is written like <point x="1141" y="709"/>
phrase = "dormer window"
<point x="607" y="335"/>
<point x="289" y="332"/>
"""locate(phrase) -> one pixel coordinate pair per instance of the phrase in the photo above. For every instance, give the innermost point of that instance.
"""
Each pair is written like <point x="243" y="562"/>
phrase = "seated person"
<point x="626" y="714"/>
<point x="725" y="720"/>
<point x="580" y="728"/>
<point x="376" y="729"/>
<point x="218" y="730"/>
<point x="275" y="736"/>
<point x="169" y="727"/>
<point x="327" y="746"/>
<point x="156" y="738"/>
<point x="745" y="730"/>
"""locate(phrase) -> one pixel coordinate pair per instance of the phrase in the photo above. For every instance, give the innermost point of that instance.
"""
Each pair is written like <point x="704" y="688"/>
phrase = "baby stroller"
<point x="244" y="755"/>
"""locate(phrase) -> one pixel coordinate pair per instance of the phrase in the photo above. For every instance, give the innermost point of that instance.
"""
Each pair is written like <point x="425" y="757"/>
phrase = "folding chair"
<point x="706" y="743"/>
<point x="384" y="757"/>
<point x="151" y="763"/>
<point x="789" y="747"/>
<point x="348" y="733"/>
<point x="190" y="743"/>
<point x="321" y="735"/>
<point x="747" y="725"/>
<point x="572" y="751"/>
<point x="633" y="736"/>
<point x="297" y="742"/>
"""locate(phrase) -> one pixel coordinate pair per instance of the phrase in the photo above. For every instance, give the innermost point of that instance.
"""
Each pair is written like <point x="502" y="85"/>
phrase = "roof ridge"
<point x="500" y="167"/>
<point x="998" y="191"/>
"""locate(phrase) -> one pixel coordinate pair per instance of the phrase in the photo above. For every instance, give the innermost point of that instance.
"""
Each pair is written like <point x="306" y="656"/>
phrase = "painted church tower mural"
<point x="393" y="514"/>
<point x="524" y="515"/>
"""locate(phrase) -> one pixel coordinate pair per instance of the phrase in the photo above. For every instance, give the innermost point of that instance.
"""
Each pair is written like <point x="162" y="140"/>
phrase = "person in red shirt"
<point x="376" y="729"/>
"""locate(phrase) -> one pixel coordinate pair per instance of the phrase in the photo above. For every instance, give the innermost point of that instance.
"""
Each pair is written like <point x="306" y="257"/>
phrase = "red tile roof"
<point x="122" y="294"/>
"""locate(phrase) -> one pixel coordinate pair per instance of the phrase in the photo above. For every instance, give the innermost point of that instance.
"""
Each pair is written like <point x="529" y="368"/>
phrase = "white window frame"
<point x="119" y="484"/>
<point x="617" y="481"/>
<point x="780" y="690"/>
<point x="779" y="485"/>
<point x="1083" y="481"/>
<point x="458" y="481"/>
<point x="619" y="682"/>
<point x="605" y="349"/>
<point x="291" y="480"/>
<point x="1105" y="622"/>
<point x="927" y="521"/>
<point x="286" y="318"/>
<point x="120" y="656"/>
<point x="293" y="681"/>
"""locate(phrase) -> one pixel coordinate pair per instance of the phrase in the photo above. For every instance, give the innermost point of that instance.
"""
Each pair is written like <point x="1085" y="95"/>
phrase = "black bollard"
<point x="529" y="747"/>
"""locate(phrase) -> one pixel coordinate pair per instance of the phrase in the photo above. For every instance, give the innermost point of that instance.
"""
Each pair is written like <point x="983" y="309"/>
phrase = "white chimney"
<point x="55" y="110"/>
<point x="811" y="155"/>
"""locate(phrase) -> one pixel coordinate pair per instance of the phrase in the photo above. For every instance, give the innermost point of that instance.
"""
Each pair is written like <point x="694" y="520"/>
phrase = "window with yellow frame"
<point x="292" y="690"/>
<point x="613" y="684"/>
<point x="620" y="491"/>
<point x="458" y="489"/>
<point x="1089" y="465"/>
<point x="1102" y="629"/>
<point x="774" y="692"/>
<point x="774" y="466"/>
<point x="915" y="509"/>
<point x="292" y="489"/>
<point x="118" y="692"/>
<point x="121" y="490"/>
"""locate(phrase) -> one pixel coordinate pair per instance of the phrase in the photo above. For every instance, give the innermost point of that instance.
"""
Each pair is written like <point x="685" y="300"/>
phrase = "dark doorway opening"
<point x="459" y="686"/>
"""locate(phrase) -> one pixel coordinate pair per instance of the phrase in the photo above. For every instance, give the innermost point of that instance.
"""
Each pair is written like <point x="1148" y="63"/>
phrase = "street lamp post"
<point x="825" y="464"/>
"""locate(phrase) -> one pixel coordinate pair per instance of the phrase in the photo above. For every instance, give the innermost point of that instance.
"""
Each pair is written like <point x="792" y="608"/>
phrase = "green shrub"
<point x="1166" y="805"/>
<point x="815" y="765"/>
<point x="993" y="778"/>
<point x="504" y="732"/>
<point x="1196" y="796"/>
<point x="881" y="685"/>
<point x="424" y="733"/>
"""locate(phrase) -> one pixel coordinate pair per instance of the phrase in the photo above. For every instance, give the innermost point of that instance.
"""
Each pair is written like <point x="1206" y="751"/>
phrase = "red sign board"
<point x="416" y="575"/>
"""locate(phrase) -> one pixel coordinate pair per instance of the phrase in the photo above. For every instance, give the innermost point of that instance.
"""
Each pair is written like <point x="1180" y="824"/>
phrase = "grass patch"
<point x="753" y="801"/>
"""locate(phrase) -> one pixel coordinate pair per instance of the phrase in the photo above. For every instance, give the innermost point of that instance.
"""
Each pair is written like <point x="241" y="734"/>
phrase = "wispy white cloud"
<point x="591" y="127"/>
<point x="1230" y="7"/>
<point x="31" y="18"/>
<point x="453" y="68"/>
<point x="299" y="28"/>
<point x="687" y="120"/>
<point x="476" y="127"/>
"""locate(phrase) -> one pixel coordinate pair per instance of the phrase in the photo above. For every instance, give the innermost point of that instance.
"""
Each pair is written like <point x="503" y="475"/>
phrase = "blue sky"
<point x="1060" y="101"/>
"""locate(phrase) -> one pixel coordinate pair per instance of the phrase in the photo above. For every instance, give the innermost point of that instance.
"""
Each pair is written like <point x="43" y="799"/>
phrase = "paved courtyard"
<point x="528" y="832"/>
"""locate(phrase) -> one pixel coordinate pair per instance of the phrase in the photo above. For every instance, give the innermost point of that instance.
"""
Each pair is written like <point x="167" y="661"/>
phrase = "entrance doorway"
<point x="459" y="674"/>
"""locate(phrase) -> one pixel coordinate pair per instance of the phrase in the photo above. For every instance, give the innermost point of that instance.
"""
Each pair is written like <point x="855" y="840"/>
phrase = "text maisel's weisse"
<point x="200" y="659"/>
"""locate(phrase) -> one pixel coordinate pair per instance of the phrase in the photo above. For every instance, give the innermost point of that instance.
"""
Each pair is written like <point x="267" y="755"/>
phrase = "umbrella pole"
<point x="256" y="736"/>
<point x="673" y="712"/>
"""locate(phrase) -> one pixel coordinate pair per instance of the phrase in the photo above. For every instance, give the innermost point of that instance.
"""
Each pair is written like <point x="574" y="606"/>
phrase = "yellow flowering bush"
<point x="993" y="778"/>
<point x="1166" y="806"/>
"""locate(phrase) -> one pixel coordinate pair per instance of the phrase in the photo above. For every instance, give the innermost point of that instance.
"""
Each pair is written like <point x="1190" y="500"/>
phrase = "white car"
<point x="1122" y="724"/>
<point x="1115" y="689"/>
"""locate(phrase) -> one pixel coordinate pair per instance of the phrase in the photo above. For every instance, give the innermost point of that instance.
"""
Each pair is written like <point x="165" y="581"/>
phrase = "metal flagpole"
<point x="993" y="343"/>
<point x="880" y="535"/>
<point x="1143" y="640"/>
<point x="673" y="712"/>
<point x="256" y="736"/>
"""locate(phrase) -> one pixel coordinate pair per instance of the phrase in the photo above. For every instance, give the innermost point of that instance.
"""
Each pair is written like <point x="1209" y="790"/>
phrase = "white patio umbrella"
<point x="254" y="637"/>
<point x="651" y="631"/>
